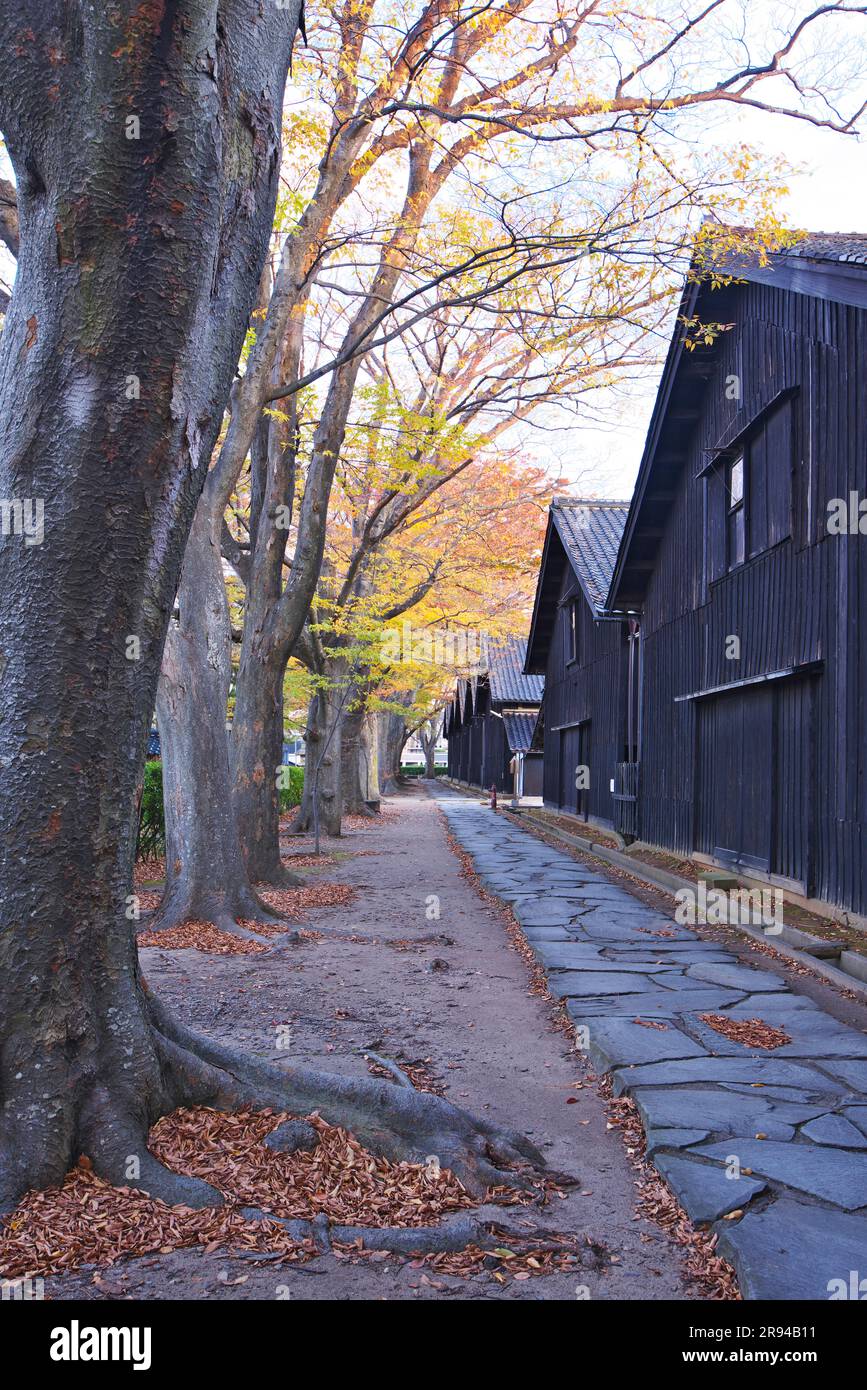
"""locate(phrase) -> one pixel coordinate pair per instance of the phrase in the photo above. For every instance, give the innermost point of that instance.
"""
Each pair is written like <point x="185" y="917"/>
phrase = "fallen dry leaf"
<point x="750" y="1032"/>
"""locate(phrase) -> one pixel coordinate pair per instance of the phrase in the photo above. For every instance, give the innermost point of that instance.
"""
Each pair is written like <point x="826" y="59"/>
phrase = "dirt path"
<point x="448" y="991"/>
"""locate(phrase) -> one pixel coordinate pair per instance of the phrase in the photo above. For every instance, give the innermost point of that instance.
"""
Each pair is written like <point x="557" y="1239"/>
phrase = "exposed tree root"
<point x="386" y="1063"/>
<point x="282" y="878"/>
<point x="107" y="1131"/>
<point x="290" y="1136"/>
<point x="233" y="928"/>
<point x="302" y="823"/>
<point x="116" y="1145"/>
<point x="395" y="1122"/>
<point x="486" y="1226"/>
<point x="226" y="912"/>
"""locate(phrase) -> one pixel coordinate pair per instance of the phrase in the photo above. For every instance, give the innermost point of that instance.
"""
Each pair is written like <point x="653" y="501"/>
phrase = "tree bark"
<point x="359" y="777"/>
<point x="206" y="877"/>
<point x="276" y="614"/>
<point x="322" y="765"/>
<point x="139" y="264"/>
<point x="428" y="734"/>
<point x="369" y="763"/>
<point x="256" y="755"/>
<point x="141" y="249"/>
<point x="393" y="738"/>
<point x="430" y="748"/>
<point x="274" y="623"/>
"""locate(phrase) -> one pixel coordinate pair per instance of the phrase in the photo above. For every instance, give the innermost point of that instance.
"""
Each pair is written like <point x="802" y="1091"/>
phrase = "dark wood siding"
<point x="735" y="783"/>
<point x="800" y="600"/>
<point x="585" y="708"/>
<point x="479" y="752"/>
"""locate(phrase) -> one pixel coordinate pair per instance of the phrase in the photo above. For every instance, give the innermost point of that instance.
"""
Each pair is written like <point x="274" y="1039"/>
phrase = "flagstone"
<point x="722" y="1112"/>
<point x="616" y="1042"/>
<point x="794" y="1251"/>
<point x="704" y="1191"/>
<point x="836" y="1131"/>
<point x="832" y="1175"/>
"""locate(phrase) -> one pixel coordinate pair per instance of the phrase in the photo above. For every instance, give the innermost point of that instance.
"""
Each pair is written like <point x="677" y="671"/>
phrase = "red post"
<point x="493" y="796"/>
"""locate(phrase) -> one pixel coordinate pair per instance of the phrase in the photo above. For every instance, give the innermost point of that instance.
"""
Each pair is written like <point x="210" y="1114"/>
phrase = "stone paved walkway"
<point x="703" y="1098"/>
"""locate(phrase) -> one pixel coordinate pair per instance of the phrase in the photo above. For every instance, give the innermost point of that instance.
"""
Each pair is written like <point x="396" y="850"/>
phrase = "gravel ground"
<point x="432" y="978"/>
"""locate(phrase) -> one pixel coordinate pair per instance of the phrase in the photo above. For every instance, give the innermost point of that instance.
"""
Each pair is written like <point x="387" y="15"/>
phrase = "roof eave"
<point x="844" y="282"/>
<point x="672" y="362"/>
<point x="531" y="665"/>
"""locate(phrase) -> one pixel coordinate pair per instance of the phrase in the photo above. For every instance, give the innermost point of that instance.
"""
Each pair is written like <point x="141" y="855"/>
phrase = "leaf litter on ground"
<point x="88" y="1222"/>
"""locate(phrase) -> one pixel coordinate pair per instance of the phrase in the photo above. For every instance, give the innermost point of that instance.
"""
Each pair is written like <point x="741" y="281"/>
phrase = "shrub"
<point x="291" y="795"/>
<point x="152" y="822"/>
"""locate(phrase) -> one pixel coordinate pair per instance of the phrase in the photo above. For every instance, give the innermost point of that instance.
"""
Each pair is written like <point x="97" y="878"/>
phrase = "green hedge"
<point x="418" y="770"/>
<point x="152" y="821"/>
<point x="291" y="796"/>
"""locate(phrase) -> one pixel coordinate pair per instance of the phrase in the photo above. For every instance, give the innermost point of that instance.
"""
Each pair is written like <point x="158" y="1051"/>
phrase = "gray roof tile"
<point x="590" y="530"/>
<point x="508" y="683"/>
<point x="519" y="726"/>
<point x="831" y="246"/>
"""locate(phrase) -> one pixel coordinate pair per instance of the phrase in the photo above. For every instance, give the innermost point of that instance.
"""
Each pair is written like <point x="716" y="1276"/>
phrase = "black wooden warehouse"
<point x="492" y="718"/>
<point x="584" y="657"/>
<point x="742" y="565"/>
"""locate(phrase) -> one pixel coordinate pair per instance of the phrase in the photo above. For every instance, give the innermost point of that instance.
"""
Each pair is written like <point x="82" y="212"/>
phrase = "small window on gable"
<point x="572" y="642"/>
<point x="735" y="511"/>
<point x="749" y="490"/>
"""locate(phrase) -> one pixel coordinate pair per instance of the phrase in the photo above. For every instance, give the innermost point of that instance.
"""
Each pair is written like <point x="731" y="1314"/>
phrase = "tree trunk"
<point x="256" y="756"/>
<point x="147" y="163"/>
<point x="391" y="747"/>
<point x="206" y="877"/>
<point x="369" y="767"/>
<point x="359" y="778"/>
<point x="428" y="734"/>
<point x="322" y="765"/>
<point x="276" y="614"/>
<point x="430" y="753"/>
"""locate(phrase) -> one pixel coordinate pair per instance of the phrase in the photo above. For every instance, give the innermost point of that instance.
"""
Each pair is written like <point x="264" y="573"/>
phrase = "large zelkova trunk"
<point x="430" y="753"/>
<point x="256" y="756"/>
<point x="276" y="614"/>
<point x="369" y="759"/>
<point x="147" y="162"/>
<point x="359" y="773"/>
<point x="206" y="877"/>
<point x="383" y="722"/>
<point x="392" y="740"/>
<point x="429" y="734"/>
<point x="321" y="800"/>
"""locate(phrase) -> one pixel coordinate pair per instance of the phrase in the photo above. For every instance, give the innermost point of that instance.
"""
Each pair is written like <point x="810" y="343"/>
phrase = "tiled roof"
<point x="590" y="531"/>
<point x="506" y="676"/>
<point x="519" y="725"/>
<point x="831" y="246"/>
<point x="841" y="247"/>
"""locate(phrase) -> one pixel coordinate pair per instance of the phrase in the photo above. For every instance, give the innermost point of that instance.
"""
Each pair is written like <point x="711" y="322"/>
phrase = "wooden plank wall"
<point x="594" y="688"/>
<point x="478" y="752"/>
<point x="799" y="601"/>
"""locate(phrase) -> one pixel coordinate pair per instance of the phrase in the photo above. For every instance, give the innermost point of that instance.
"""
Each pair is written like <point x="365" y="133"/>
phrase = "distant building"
<point x="584" y="658"/>
<point x="491" y="721"/>
<point x="413" y="752"/>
